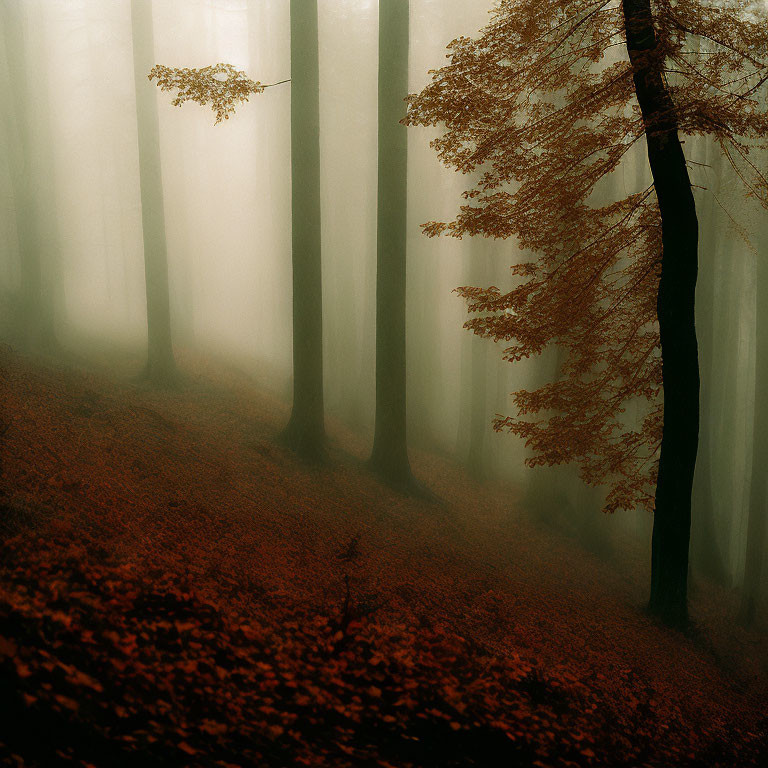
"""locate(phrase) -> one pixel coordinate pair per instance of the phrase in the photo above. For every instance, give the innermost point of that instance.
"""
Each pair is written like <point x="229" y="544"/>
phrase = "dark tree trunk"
<point x="161" y="367"/>
<point x="758" y="497"/>
<point x="305" y="432"/>
<point x="390" y="454"/>
<point x="676" y="301"/>
<point x="33" y="324"/>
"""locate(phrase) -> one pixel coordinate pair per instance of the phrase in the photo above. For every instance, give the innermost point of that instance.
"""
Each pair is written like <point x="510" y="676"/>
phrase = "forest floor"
<point x="177" y="589"/>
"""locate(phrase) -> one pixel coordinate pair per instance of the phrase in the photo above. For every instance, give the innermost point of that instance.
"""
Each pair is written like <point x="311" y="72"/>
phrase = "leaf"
<point x="185" y="747"/>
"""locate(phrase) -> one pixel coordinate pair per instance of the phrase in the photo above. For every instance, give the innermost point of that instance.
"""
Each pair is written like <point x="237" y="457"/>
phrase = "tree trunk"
<point x="676" y="302"/>
<point x="161" y="367"/>
<point x="305" y="432"/>
<point x="758" y="497"/>
<point x="33" y="323"/>
<point x="390" y="453"/>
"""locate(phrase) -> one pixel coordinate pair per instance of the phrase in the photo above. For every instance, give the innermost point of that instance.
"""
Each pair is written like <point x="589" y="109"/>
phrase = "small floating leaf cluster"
<point x="220" y="85"/>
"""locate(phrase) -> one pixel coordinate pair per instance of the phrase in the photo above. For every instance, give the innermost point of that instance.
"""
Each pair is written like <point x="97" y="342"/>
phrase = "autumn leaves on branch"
<point x="542" y="109"/>
<point x="220" y="85"/>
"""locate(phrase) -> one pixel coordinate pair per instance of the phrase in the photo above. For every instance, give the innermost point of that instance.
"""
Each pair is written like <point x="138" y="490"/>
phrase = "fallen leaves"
<point x="121" y="642"/>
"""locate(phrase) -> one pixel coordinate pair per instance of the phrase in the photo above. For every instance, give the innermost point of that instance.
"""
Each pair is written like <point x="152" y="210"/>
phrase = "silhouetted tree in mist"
<point x="222" y="86"/>
<point x="389" y="458"/>
<point x="160" y="367"/>
<point x="305" y="432"/>
<point x="33" y="322"/>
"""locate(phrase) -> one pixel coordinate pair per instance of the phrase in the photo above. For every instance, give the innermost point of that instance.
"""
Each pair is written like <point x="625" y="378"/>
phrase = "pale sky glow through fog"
<point x="227" y="195"/>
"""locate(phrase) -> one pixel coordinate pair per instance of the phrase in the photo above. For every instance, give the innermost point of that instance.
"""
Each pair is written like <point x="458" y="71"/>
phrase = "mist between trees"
<point x="103" y="181"/>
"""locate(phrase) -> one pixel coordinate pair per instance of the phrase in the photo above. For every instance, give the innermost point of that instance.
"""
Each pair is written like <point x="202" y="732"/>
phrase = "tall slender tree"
<point x="541" y="106"/>
<point x="222" y="86"/>
<point x="305" y="432"/>
<point x="34" y="324"/>
<point x="160" y="367"/>
<point x="390" y="452"/>
<point x="676" y="316"/>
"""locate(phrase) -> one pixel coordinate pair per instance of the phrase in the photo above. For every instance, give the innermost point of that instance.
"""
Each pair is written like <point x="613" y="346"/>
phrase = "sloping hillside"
<point x="176" y="589"/>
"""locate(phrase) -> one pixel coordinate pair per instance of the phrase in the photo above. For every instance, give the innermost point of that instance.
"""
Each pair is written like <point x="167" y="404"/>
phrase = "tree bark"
<point x="389" y="458"/>
<point x="305" y="432"/>
<point x="161" y="367"/>
<point x="675" y="306"/>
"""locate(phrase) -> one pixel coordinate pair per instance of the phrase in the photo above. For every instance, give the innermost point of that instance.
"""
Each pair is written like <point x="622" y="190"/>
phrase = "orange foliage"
<point x="220" y="84"/>
<point x="541" y="107"/>
<point x="147" y="669"/>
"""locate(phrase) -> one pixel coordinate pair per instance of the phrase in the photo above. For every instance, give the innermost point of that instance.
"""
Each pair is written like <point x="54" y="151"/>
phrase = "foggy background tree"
<point x="161" y="367"/>
<point x="305" y="432"/>
<point x="222" y="86"/>
<point x="33" y="313"/>
<point x="390" y="452"/>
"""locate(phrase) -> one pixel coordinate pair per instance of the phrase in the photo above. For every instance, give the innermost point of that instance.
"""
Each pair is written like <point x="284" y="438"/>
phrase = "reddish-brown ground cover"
<point x="175" y="589"/>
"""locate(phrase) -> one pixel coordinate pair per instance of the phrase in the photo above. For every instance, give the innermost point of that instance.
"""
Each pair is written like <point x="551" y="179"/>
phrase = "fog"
<point x="263" y="495"/>
<point x="70" y="186"/>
